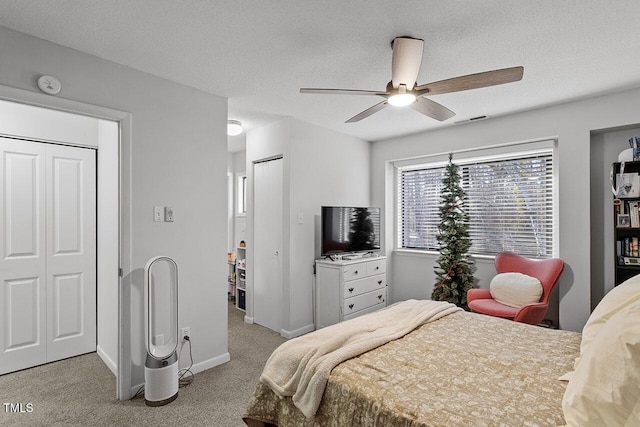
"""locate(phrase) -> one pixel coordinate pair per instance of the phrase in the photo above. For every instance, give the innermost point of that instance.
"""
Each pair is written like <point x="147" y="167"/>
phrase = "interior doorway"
<point x="28" y="115"/>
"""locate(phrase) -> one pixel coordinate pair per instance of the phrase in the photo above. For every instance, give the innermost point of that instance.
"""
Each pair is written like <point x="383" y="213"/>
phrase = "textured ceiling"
<point x="259" y="53"/>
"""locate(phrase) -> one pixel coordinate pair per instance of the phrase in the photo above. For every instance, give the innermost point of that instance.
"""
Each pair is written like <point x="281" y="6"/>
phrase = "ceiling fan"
<point x="403" y="90"/>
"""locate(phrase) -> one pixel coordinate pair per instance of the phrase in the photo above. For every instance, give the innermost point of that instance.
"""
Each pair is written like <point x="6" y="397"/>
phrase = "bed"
<point x="471" y="369"/>
<point x="462" y="369"/>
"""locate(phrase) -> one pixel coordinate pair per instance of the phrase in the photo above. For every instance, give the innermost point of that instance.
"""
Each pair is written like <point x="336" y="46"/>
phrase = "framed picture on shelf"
<point x="628" y="185"/>
<point x="624" y="220"/>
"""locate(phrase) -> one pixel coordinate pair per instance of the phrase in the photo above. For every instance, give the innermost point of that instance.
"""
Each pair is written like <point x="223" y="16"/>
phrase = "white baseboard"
<point x="248" y="319"/>
<point x="211" y="363"/>
<point x="113" y="366"/>
<point x="297" y="332"/>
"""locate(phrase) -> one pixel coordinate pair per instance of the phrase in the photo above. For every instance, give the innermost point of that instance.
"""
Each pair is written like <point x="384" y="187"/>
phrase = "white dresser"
<point x="349" y="288"/>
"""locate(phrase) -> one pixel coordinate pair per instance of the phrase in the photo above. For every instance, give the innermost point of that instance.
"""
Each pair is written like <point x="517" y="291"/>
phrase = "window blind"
<point x="509" y="201"/>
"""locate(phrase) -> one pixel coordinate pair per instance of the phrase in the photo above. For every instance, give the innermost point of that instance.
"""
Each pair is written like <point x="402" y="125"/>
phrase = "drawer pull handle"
<point x="350" y="289"/>
<point x="377" y="268"/>
<point x="379" y="296"/>
<point x="355" y="272"/>
<point x="350" y="306"/>
<point x="379" y="282"/>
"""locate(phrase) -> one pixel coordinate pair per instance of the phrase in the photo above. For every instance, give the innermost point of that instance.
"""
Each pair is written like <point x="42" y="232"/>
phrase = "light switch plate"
<point x="168" y="214"/>
<point x="158" y="213"/>
<point x="300" y="217"/>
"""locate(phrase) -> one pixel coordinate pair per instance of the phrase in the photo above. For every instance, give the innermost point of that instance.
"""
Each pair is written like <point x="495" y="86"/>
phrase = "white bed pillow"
<point x="515" y="289"/>
<point x="615" y="300"/>
<point x="604" y="390"/>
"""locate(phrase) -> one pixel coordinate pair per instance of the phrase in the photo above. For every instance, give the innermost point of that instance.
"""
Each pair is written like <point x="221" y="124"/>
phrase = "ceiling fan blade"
<point x="405" y="62"/>
<point x="472" y="81"/>
<point x="369" y="111"/>
<point x="341" y="91"/>
<point x="432" y="109"/>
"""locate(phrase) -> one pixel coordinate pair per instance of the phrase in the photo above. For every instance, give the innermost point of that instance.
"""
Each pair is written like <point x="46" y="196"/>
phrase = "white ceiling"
<point x="259" y="53"/>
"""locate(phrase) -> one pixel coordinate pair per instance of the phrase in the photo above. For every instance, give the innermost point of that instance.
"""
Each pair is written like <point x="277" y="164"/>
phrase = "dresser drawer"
<point x="377" y="266"/>
<point x="365" y="311"/>
<point x="363" y="269"/>
<point x="360" y="302"/>
<point x="354" y="271"/>
<point x="361" y="286"/>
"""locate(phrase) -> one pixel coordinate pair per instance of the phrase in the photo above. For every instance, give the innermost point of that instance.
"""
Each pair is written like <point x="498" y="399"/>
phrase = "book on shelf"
<point x="633" y="213"/>
<point x="628" y="247"/>
<point x="630" y="215"/>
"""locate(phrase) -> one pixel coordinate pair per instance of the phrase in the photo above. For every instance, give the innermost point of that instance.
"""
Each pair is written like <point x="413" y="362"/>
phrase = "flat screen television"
<point x="347" y="229"/>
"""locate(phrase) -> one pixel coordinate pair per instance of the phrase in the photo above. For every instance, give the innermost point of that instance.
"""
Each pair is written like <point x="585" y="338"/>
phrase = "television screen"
<point x="350" y="229"/>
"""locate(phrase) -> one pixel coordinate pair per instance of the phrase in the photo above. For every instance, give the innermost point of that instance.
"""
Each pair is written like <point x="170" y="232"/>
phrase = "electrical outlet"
<point x="186" y="332"/>
<point x="168" y="214"/>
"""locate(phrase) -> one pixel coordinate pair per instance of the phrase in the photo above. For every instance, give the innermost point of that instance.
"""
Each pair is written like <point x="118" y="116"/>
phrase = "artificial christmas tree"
<point x="455" y="267"/>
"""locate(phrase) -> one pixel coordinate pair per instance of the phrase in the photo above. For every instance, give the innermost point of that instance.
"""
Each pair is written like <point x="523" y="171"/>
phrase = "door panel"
<point x="22" y="196"/>
<point x="67" y="306"/>
<point x="22" y="313"/>
<point x="71" y="252"/>
<point x="267" y="298"/>
<point x="23" y="263"/>
<point x="67" y="205"/>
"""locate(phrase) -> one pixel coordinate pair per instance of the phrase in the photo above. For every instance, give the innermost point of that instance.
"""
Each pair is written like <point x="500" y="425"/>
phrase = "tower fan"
<point x="161" y="324"/>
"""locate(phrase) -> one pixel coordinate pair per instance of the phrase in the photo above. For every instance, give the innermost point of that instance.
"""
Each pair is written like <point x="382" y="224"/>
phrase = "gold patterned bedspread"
<point x="465" y="369"/>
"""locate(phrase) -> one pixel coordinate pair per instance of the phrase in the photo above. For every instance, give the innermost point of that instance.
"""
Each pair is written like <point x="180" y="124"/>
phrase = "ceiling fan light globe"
<point x="402" y="99"/>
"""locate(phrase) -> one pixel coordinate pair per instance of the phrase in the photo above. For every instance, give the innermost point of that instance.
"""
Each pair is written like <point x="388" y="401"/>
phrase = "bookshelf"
<point x="626" y="217"/>
<point x="241" y="278"/>
<point x="231" y="277"/>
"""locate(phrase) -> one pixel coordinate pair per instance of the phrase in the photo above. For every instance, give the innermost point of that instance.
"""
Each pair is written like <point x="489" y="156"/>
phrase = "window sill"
<point x="431" y="254"/>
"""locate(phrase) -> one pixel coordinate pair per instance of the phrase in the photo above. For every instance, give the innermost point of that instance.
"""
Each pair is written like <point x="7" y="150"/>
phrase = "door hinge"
<point x="120" y="272"/>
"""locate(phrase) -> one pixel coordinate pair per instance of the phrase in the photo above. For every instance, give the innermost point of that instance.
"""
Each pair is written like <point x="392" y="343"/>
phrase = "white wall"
<point x="321" y="167"/>
<point x="46" y="124"/>
<point x="178" y="159"/>
<point x="108" y="251"/>
<point x="572" y="124"/>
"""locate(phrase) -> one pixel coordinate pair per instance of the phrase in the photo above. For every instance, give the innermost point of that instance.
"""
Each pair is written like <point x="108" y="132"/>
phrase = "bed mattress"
<point x="464" y="369"/>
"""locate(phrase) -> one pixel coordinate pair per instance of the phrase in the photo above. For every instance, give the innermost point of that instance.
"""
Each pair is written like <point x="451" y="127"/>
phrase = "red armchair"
<point x="545" y="270"/>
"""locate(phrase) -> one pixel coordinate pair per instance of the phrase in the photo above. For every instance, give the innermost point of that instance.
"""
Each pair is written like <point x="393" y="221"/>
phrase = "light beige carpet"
<point x="81" y="391"/>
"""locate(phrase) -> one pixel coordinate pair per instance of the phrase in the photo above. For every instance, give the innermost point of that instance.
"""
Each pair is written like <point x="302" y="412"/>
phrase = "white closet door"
<point x="268" y="272"/>
<point x="71" y="252"/>
<point x="23" y="262"/>
<point x="48" y="267"/>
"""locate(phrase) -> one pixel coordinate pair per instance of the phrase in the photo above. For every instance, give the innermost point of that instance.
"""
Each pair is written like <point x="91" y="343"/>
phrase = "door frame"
<point x="124" y="120"/>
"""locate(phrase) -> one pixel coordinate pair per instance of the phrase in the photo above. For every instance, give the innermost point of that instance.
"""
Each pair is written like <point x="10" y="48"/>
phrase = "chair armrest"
<point x="531" y="313"/>
<point x="473" y="294"/>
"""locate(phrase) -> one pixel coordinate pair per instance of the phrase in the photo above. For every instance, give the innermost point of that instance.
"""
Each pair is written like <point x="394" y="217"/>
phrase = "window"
<point x="242" y="194"/>
<point x="509" y="201"/>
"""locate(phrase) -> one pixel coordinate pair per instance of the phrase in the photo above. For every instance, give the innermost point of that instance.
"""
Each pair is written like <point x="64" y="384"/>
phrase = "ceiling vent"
<point x="472" y="119"/>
